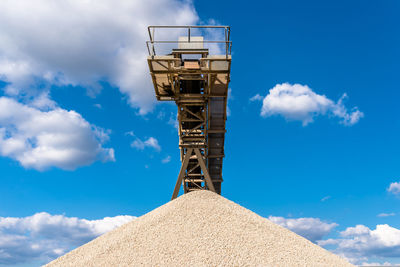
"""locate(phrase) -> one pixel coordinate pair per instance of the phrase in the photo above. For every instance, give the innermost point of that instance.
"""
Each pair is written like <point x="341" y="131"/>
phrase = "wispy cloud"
<point x="325" y="198"/>
<point x="166" y="159"/>
<point x="257" y="97"/>
<point x="173" y="120"/>
<point x="44" y="237"/>
<point x="299" y="102"/>
<point x="386" y="214"/>
<point x="149" y="142"/>
<point x="130" y="133"/>
<point x="140" y="144"/>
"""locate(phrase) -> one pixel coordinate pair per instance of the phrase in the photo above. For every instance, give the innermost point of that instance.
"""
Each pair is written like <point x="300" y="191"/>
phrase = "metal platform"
<point x="198" y="83"/>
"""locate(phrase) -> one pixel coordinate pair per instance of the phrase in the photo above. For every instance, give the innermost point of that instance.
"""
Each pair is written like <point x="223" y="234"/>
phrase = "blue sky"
<point x="291" y="163"/>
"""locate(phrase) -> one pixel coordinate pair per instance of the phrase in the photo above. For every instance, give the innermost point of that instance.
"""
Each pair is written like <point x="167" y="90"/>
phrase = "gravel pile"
<point x="200" y="229"/>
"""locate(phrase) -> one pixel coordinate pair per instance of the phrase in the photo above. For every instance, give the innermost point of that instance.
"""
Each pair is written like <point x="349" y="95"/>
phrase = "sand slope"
<point x="200" y="229"/>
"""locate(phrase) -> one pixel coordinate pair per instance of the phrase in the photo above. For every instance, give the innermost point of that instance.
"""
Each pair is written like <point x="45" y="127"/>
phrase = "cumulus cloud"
<point x="53" y="137"/>
<point x="82" y="43"/>
<point x="360" y="242"/>
<point x="311" y="228"/>
<point x="299" y="102"/>
<point x="394" y="188"/>
<point x="357" y="230"/>
<point x="44" y="237"/>
<point x="150" y="142"/>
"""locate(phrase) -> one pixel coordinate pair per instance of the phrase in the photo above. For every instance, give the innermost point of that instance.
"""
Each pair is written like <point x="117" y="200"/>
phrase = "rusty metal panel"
<point x="191" y="65"/>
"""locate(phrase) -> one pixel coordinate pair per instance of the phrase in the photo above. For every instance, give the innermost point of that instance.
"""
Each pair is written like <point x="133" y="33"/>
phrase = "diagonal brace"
<point x="207" y="177"/>
<point x="182" y="173"/>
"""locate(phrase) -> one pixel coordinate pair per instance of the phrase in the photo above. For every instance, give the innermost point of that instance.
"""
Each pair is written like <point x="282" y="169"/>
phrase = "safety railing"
<point x="152" y="42"/>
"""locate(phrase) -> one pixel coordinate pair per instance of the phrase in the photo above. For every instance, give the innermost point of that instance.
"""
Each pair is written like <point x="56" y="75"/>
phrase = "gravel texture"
<point x="200" y="229"/>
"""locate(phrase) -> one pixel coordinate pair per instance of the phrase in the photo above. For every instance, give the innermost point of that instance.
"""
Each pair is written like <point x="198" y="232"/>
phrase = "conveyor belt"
<point x="199" y="87"/>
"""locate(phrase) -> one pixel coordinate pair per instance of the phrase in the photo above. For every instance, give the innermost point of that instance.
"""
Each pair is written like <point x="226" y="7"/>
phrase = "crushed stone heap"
<point x="200" y="229"/>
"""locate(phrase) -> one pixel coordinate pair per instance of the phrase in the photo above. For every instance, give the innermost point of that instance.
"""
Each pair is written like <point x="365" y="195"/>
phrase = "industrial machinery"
<point x="197" y="79"/>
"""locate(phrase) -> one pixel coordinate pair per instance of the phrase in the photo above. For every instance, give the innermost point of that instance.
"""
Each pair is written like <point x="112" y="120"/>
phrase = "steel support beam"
<point x="207" y="177"/>
<point x="182" y="172"/>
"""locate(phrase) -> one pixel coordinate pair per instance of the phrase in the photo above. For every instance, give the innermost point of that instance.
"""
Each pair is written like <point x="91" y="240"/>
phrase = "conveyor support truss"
<point x="198" y="83"/>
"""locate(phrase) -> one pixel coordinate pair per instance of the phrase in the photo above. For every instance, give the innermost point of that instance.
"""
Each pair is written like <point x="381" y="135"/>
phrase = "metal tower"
<point x="198" y="83"/>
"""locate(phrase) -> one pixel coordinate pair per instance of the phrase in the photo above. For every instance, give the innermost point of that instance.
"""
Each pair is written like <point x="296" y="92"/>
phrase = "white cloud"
<point x="357" y="230"/>
<point x="394" y="188"/>
<point x="44" y="237"/>
<point x="43" y="102"/>
<point x="299" y="102"/>
<point x="386" y="214"/>
<point x="173" y="120"/>
<point x="340" y="111"/>
<point x="53" y="138"/>
<point x="376" y="264"/>
<point x="166" y="159"/>
<point x="311" y="228"/>
<point x="257" y="97"/>
<point x="81" y="43"/>
<point x="360" y="243"/>
<point x="150" y="142"/>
